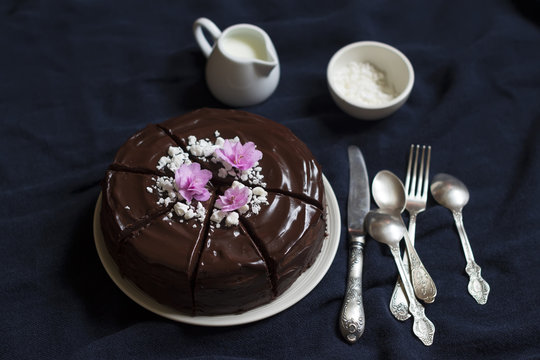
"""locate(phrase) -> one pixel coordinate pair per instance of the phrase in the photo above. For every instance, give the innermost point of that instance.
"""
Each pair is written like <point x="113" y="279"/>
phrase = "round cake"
<point x="213" y="212"/>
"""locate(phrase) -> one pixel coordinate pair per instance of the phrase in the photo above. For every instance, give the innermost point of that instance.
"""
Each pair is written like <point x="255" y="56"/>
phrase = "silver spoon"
<point x="388" y="228"/>
<point x="453" y="194"/>
<point x="392" y="198"/>
<point x="389" y="194"/>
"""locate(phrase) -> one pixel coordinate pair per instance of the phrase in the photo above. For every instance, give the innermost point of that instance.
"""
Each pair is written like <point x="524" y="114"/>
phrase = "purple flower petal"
<point x="191" y="182"/>
<point x="242" y="157"/>
<point x="233" y="198"/>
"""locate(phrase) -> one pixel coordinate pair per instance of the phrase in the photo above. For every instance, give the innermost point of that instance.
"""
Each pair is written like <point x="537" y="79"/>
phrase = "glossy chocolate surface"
<point x="161" y="257"/>
<point x="126" y="205"/>
<point x="289" y="166"/>
<point x="288" y="233"/>
<point x="231" y="271"/>
<point x="198" y="266"/>
<point x="128" y="201"/>
<point x="142" y="151"/>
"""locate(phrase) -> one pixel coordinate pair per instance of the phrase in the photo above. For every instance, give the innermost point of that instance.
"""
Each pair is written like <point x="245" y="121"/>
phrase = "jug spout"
<point x="269" y="61"/>
<point x="264" y="68"/>
<point x="247" y="44"/>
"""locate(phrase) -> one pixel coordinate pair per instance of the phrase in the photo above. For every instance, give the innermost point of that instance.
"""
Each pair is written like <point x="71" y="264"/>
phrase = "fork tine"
<point x="426" y="177"/>
<point x="415" y="168"/>
<point x="419" y="188"/>
<point x="408" y="178"/>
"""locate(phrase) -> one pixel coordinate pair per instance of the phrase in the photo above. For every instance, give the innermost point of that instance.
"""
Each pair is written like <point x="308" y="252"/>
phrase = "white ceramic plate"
<point x="298" y="290"/>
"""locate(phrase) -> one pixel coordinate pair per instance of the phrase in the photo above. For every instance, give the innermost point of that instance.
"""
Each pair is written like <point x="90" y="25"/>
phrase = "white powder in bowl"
<point x="361" y="81"/>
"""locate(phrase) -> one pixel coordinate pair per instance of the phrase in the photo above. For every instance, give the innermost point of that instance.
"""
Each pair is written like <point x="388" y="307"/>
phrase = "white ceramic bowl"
<point x="395" y="66"/>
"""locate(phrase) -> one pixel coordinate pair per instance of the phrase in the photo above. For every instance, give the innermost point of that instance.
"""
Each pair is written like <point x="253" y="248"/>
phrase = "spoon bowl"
<point x="384" y="227"/>
<point x="449" y="192"/>
<point x="388" y="191"/>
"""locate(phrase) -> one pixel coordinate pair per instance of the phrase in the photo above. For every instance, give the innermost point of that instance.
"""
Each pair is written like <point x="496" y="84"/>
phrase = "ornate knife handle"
<point x="352" y="318"/>
<point x="478" y="287"/>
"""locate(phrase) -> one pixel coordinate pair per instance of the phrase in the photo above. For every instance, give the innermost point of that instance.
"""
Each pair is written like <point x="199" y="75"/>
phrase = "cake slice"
<point x="232" y="275"/>
<point x="142" y="152"/>
<point x="161" y="257"/>
<point x="129" y="201"/>
<point x="288" y="234"/>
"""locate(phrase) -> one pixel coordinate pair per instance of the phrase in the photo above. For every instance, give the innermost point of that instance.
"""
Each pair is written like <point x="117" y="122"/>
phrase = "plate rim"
<point x="298" y="290"/>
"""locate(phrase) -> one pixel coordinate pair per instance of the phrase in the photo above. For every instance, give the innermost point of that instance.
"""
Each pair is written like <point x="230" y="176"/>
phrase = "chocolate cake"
<point x="213" y="212"/>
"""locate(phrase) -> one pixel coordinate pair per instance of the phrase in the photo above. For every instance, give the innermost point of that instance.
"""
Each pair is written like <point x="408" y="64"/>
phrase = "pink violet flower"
<point x="233" y="198"/>
<point x="191" y="181"/>
<point x="242" y="157"/>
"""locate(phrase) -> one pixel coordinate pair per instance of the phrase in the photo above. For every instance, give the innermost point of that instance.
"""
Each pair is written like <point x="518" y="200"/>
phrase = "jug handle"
<point x="214" y="31"/>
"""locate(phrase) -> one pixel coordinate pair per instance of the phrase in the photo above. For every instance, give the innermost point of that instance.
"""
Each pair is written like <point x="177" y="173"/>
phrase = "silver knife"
<point x="352" y="319"/>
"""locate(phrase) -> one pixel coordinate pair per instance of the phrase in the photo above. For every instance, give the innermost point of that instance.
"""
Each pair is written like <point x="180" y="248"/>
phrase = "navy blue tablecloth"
<point x="77" y="78"/>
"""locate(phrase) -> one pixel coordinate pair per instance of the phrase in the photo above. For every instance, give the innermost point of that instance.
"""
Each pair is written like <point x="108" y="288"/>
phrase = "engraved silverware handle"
<point x="478" y="287"/>
<point x="352" y="318"/>
<point x="399" y="305"/>
<point x="423" y="284"/>
<point x="423" y="328"/>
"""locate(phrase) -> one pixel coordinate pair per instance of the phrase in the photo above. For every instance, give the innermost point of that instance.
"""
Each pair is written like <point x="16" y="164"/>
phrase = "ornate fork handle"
<point x="478" y="287"/>
<point x="352" y="318"/>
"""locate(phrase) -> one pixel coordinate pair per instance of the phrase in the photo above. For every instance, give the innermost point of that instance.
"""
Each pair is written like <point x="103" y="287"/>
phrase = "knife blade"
<point x="352" y="319"/>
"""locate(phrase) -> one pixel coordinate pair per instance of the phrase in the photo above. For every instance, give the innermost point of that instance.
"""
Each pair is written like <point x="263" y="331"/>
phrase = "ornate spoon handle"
<point x="423" y="328"/>
<point x="478" y="287"/>
<point x="399" y="305"/>
<point x="352" y="318"/>
<point x="423" y="284"/>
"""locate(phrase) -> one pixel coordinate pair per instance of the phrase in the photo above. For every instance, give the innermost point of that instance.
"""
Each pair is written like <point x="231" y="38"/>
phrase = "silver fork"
<point x="416" y="187"/>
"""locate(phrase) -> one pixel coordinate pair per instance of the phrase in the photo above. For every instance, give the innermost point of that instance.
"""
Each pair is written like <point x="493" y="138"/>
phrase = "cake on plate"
<point x="213" y="212"/>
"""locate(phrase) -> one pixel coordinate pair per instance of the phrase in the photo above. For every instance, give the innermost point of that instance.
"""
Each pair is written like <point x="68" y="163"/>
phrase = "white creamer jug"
<point x="242" y="67"/>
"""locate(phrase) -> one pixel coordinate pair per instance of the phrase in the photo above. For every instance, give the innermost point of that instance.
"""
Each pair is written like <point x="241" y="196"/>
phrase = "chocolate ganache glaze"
<point x="221" y="246"/>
